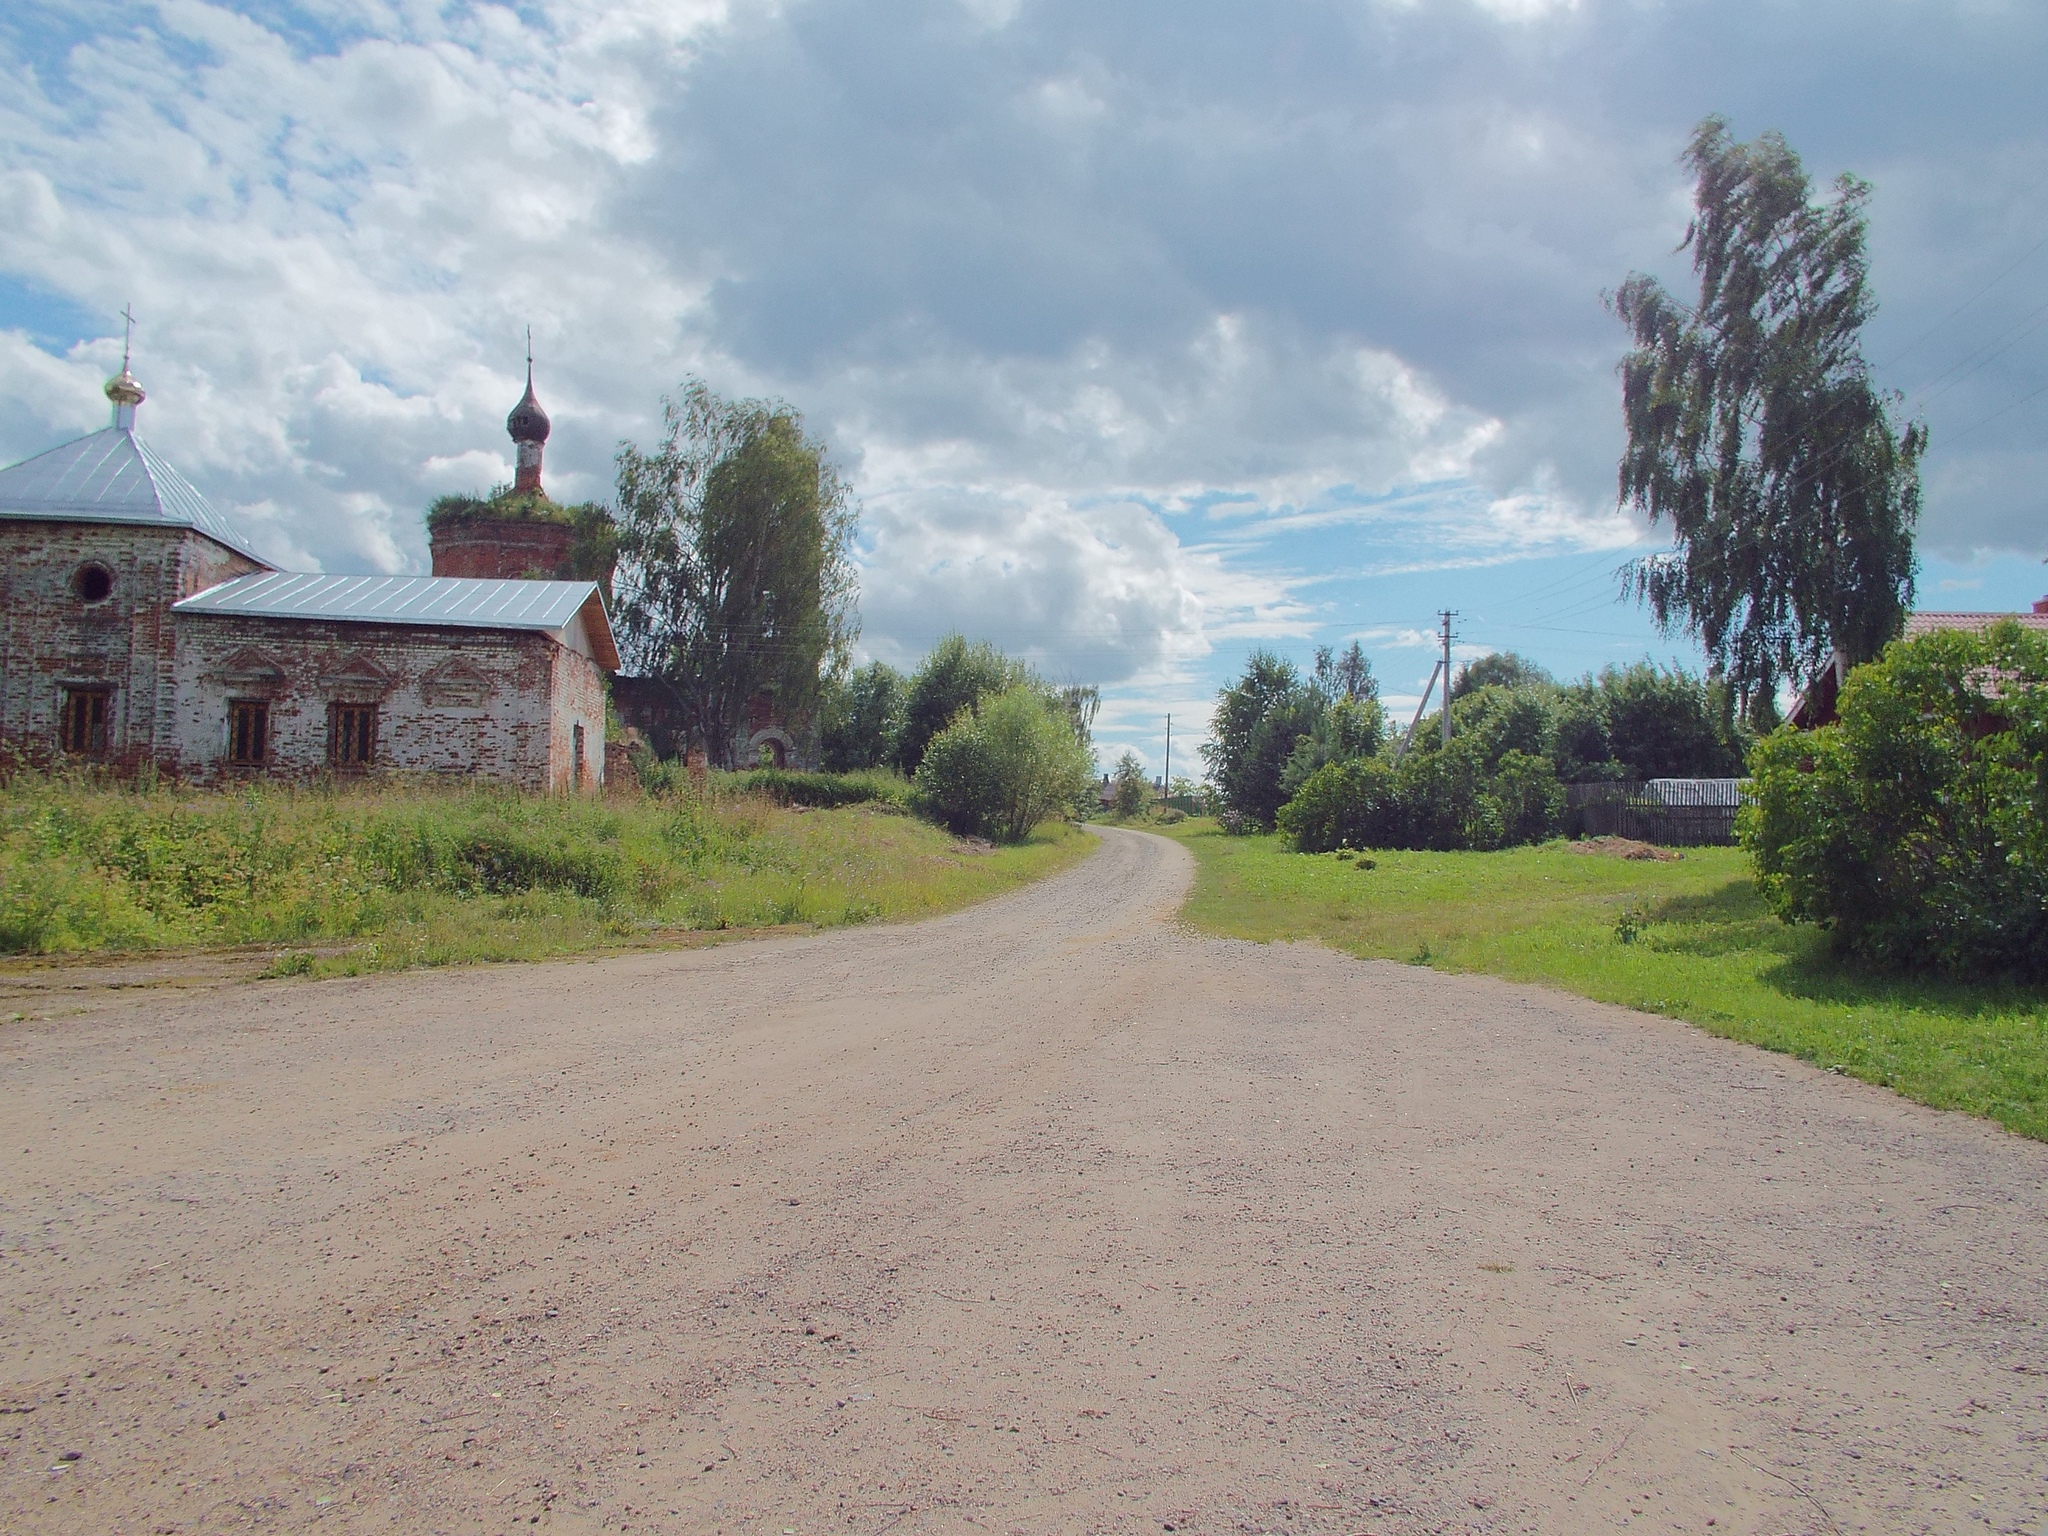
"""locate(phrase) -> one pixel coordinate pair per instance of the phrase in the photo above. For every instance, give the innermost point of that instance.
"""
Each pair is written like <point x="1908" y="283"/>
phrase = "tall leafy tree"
<point x="860" y="718"/>
<point x="953" y="677"/>
<point x="735" y="574"/>
<point x="1346" y="674"/>
<point x="1505" y="669"/>
<point x="1259" y="719"/>
<point x="1755" y="431"/>
<point x="1127" y="787"/>
<point x="1082" y="702"/>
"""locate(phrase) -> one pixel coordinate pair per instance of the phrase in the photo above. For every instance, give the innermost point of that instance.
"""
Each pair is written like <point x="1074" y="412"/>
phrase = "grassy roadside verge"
<point x="352" y="879"/>
<point x="1701" y="947"/>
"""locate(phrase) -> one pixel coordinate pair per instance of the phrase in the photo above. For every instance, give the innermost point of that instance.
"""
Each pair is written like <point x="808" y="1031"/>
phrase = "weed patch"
<point x="356" y="878"/>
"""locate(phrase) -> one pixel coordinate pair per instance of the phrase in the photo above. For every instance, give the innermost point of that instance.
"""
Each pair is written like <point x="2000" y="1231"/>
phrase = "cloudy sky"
<point x="1149" y="332"/>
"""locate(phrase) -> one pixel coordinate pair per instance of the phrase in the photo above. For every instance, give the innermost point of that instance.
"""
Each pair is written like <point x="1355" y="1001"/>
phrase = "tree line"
<point x="1312" y="754"/>
<point x="989" y="746"/>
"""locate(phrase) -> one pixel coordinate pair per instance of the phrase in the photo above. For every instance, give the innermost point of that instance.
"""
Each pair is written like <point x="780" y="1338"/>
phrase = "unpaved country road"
<point x="1048" y="1216"/>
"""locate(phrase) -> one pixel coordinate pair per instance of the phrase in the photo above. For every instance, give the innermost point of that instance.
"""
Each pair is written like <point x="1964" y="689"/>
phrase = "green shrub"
<point x="955" y="676"/>
<point x="1444" y="800"/>
<point x="1530" y="799"/>
<point x="1001" y="771"/>
<point x="1343" y="805"/>
<point x="1635" y="722"/>
<point x="956" y="783"/>
<point x="1441" y="801"/>
<point x="1347" y="728"/>
<point x="1916" y="828"/>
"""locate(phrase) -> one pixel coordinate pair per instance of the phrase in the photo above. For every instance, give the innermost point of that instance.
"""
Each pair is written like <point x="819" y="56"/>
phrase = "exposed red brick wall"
<point x="516" y="728"/>
<point x="50" y="639"/>
<point x="501" y="549"/>
<point x="169" y="678"/>
<point x="578" y="697"/>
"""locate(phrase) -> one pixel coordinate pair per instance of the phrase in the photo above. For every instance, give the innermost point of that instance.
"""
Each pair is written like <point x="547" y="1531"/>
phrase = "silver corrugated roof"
<point x="456" y="600"/>
<point x="398" y="600"/>
<point x="1683" y="792"/>
<point x="112" y="476"/>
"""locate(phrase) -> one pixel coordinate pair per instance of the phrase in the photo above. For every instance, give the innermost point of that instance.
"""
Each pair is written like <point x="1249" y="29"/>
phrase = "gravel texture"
<point x="1045" y="1216"/>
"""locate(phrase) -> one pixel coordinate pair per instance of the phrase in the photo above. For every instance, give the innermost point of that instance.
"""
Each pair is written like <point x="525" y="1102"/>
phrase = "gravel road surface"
<point x="1046" y="1216"/>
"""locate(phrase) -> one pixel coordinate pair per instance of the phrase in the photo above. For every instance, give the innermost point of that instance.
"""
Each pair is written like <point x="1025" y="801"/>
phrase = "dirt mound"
<point x="1626" y="848"/>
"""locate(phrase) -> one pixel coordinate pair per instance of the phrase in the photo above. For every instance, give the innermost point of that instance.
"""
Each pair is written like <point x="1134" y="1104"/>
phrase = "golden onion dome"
<point x="123" y="389"/>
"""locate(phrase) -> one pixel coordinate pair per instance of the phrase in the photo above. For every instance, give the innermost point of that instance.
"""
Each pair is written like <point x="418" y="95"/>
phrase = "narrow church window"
<point x="576" y="755"/>
<point x="93" y="583"/>
<point x="82" y="722"/>
<point x="248" y="733"/>
<point x="352" y="735"/>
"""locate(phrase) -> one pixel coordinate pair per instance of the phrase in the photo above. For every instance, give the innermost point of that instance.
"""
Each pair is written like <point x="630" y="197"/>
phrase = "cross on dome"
<point x="122" y="389"/>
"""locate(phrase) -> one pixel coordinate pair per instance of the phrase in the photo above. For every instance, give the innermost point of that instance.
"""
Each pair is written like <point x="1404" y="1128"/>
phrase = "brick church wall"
<point x="491" y="704"/>
<point x="502" y="549"/>
<point x="51" y="639"/>
<point x="579" y="699"/>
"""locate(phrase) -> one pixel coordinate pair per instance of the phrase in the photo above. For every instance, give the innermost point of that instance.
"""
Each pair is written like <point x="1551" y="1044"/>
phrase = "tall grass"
<point x="380" y="875"/>
<point x="820" y="790"/>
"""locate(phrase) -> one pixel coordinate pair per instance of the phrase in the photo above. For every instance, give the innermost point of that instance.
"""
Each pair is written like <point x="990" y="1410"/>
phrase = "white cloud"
<point x="333" y="254"/>
<point x="1137" y="326"/>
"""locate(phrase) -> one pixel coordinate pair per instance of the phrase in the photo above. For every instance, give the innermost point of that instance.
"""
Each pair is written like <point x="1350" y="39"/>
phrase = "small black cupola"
<point x="529" y="426"/>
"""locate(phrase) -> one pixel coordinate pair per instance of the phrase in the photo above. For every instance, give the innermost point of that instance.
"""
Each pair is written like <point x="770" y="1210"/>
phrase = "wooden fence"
<point x="1676" y="813"/>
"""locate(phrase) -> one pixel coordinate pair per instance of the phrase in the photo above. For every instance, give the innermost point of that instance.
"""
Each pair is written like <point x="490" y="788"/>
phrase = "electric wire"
<point x="1938" y="325"/>
<point x="2012" y="337"/>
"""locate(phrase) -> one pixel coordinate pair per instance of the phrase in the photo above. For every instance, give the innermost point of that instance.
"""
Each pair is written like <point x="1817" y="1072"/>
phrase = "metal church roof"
<point x="451" y="600"/>
<point x="112" y="476"/>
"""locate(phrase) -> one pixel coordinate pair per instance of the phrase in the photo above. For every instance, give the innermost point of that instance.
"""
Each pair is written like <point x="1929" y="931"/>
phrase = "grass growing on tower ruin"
<point x="1690" y="939"/>
<point x="362" y="877"/>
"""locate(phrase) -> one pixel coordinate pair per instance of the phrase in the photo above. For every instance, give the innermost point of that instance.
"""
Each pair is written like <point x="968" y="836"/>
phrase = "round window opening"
<point x="93" y="583"/>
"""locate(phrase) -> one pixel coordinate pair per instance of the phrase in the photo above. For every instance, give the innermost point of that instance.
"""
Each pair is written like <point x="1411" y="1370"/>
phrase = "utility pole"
<point x="1447" y="615"/>
<point x="1166" y="779"/>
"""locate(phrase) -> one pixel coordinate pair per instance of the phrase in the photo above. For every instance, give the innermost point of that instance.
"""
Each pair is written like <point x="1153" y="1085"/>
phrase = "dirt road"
<point x="1048" y="1216"/>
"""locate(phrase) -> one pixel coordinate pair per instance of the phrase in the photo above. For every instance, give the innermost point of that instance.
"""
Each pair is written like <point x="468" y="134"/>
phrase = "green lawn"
<point x="1702" y="947"/>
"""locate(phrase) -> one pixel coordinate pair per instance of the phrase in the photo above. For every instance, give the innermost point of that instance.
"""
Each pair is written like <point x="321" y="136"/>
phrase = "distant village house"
<point x="1815" y="707"/>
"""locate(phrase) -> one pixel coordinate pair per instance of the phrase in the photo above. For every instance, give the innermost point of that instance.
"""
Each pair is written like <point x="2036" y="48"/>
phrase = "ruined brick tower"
<point x="523" y="534"/>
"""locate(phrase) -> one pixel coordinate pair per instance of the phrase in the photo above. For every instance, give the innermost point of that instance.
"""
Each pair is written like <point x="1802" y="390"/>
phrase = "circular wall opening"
<point x="93" y="583"/>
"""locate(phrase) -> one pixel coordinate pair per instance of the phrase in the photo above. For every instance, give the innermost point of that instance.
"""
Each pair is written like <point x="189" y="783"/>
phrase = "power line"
<point x="1912" y="345"/>
<point x="2011" y="337"/>
<point x="1583" y="573"/>
<point x="2043" y="390"/>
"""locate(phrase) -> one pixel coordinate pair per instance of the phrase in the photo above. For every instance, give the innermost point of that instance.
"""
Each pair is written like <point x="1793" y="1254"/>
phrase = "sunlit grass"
<point x="354" y="878"/>
<point x="1700" y="946"/>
